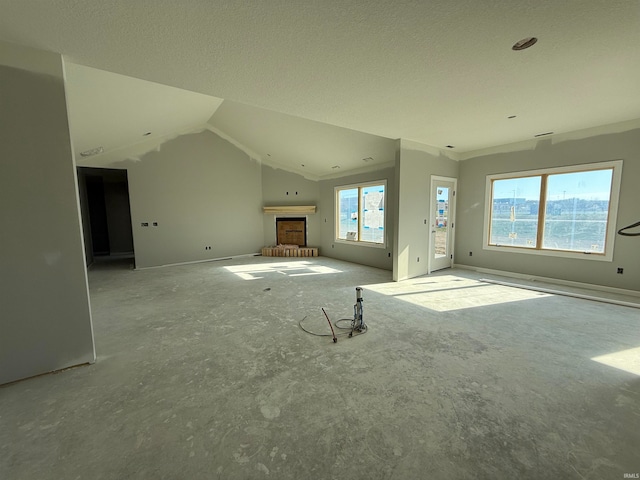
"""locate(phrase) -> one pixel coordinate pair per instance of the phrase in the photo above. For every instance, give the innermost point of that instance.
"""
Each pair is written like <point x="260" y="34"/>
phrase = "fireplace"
<point x="291" y="231"/>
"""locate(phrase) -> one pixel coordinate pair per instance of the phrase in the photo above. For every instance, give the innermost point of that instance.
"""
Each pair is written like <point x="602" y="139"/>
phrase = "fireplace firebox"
<point x="291" y="231"/>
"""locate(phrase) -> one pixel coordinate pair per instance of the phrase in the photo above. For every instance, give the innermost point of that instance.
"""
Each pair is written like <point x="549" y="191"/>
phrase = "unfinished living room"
<point x="332" y="241"/>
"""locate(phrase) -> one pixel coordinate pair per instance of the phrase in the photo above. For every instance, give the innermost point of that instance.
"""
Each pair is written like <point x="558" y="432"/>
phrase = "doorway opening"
<point x="106" y="215"/>
<point x="441" y="240"/>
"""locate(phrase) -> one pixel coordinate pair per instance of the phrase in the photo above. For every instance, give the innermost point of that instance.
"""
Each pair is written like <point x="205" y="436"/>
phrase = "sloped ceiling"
<point x="115" y="111"/>
<point x="313" y="149"/>
<point x="126" y="117"/>
<point x="438" y="72"/>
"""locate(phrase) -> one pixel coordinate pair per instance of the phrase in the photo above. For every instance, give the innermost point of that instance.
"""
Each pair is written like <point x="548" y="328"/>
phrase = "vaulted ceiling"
<point x="439" y="72"/>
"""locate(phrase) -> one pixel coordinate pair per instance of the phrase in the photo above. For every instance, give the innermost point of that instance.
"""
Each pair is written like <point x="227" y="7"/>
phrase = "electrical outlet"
<point x="620" y="270"/>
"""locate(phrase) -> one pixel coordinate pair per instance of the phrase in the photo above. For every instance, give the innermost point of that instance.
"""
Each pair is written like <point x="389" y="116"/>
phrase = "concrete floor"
<point x="203" y="373"/>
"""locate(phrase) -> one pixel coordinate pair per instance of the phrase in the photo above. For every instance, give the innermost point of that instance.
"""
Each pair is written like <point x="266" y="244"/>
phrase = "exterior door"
<point x="443" y="191"/>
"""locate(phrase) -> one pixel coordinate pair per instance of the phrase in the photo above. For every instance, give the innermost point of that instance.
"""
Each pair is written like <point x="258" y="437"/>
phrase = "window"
<point x="567" y="211"/>
<point x="360" y="213"/>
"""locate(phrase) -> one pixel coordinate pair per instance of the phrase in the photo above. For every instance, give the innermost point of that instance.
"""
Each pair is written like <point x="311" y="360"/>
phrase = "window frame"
<point x="607" y="255"/>
<point x="336" y="211"/>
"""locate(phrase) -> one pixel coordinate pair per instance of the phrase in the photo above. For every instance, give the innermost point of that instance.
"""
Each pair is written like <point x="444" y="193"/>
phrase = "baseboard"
<point x="52" y="372"/>
<point x="199" y="261"/>
<point x="555" y="281"/>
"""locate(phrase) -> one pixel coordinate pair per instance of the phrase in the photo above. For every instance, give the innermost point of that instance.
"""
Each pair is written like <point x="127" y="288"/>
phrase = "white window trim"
<point x="336" y="214"/>
<point x="607" y="256"/>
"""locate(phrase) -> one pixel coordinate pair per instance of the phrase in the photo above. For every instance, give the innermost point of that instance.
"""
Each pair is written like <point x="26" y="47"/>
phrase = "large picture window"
<point x="561" y="211"/>
<point x="360" y="213"/>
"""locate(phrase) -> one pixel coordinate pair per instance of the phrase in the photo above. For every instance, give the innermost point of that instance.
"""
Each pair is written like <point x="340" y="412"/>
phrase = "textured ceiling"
<point x="439" y="72"/>
<point x="116" y="112"/>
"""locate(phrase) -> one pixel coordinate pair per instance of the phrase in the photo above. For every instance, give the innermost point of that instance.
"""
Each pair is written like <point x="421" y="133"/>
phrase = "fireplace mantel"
<point x="290" y="209"/>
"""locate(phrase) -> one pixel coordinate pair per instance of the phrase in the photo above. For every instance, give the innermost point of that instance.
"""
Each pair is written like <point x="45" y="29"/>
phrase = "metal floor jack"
<point x="357" y="324"/>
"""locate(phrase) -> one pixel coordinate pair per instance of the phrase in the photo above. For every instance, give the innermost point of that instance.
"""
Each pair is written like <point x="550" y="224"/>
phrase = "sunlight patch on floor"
<point x="292" y="269"/>
<point x="446" y="293"/>
<point x="627" y="360"/>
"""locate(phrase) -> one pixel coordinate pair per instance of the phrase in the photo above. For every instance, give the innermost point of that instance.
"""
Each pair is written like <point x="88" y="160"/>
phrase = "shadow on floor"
<point x="113" y="262"/>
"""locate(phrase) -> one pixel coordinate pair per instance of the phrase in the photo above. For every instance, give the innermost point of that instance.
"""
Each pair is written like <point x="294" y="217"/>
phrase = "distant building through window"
<point x="360" y="213"/>
<point x="566" y="209"/>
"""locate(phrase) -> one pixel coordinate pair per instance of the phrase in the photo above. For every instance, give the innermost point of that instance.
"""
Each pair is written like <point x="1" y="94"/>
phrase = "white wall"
<point x="416" y="164"/>
<point x="45" y="318"/>
<point x="554" y="153"/>
<point x="202" y="191"/>
<point x="280" y="187"/>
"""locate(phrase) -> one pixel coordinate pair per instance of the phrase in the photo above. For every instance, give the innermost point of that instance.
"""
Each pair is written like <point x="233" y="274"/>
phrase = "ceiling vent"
<point x="524" y="43"/>
<point x="93" y="151"/>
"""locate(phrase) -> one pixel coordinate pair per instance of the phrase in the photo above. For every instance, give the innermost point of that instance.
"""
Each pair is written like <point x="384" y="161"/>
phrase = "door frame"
<point x="451" y="219"/>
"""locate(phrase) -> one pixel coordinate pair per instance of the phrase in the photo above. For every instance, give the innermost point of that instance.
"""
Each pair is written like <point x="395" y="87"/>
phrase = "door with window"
<point x="443" y="191"/>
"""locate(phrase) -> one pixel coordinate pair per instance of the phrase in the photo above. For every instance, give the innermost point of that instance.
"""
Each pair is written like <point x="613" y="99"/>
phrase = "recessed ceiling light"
<point x="543" y="134"/>
<point x="524" y="43"/>
<point x="146" y="134"/>
<point x="93" y="151"/>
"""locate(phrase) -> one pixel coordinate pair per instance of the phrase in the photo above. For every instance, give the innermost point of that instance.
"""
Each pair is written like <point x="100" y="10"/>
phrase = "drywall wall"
<point x="416" y="164"/>
<point x="280" y="187"/>
<point x="546" y="153"/>
<point x="355" y="252"/>
<point x="45" y="317"/>
<point x="201" y="191"/>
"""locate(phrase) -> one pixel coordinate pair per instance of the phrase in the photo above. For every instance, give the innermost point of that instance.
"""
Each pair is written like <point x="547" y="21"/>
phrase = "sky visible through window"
<point x="575" y="211"/>
<point x="591" y="185"/>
